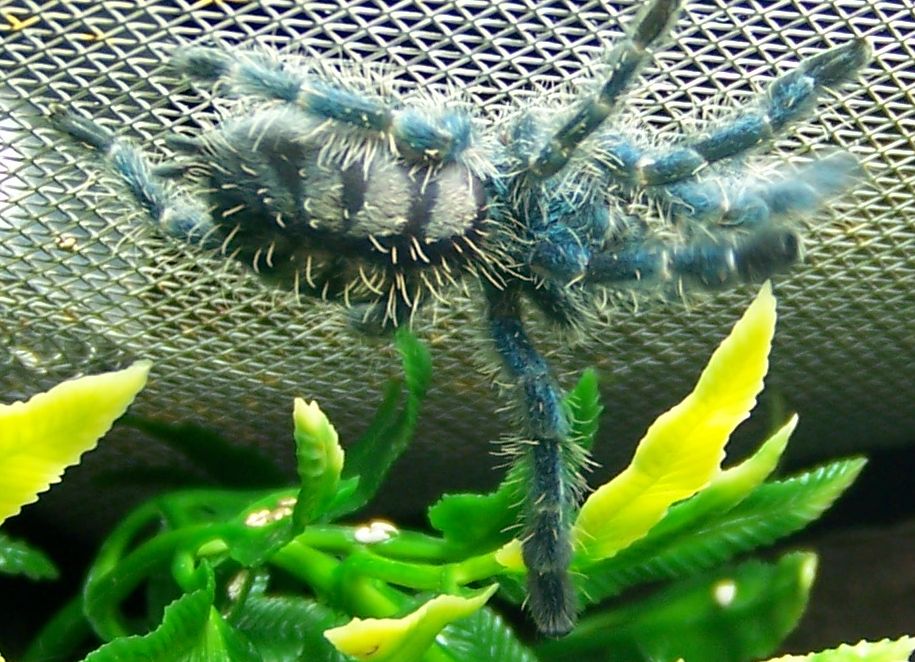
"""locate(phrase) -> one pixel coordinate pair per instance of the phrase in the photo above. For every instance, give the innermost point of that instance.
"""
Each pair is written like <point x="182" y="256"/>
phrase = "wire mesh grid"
<point x="83" y="286"/>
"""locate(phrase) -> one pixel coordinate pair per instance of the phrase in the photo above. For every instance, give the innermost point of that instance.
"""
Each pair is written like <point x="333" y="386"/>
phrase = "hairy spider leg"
<point x="788" y="99"/>
<point x="558" y="254"/>
<point x="172" y="210"/>
<point x="735" y="199"/>
<point x="751" y="202"/>
<point x="625" y="61"/>
<point x="747" y="245"/>
<point x="415" y="135"/>
<point x="709" y="263"/>
<point x="176" y="213"/>
<point x="718" y="257"/>
<point x="553" y="486"/>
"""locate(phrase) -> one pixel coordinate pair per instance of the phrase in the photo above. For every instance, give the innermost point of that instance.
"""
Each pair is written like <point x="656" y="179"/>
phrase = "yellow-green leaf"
<point x="899" y="650"/>
<point x="404" y="638"/>
<point x="40" y="438"/>
<point x="320" y="460"/>
<point x="509" y="556"/>
<point x="730" y="486"/>
<point x="684" y="447"/>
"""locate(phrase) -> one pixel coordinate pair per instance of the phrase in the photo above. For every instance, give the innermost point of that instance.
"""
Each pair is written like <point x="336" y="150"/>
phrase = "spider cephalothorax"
<point x="325" y="182"/>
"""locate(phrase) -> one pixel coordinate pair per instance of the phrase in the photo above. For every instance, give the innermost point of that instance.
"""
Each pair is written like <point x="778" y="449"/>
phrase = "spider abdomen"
<point x="289" y="196"/>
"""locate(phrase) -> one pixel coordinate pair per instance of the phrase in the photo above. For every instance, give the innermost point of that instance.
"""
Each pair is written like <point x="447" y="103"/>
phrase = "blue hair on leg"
<point x="793" y="95"/>
<point x="704" y="201"/>
<point x="722" y="260"/>
<point x="751" y="202"/>
<point x="625" y="61"/>
<point x="84" y="130"/>
<point x="734" y="137"/>
<point x="728" y="202"/>
<point x="805" y="190"/>
<point x="787" y="100"/>
<point x="552" y="487"/>
<point x="559" y="254"/>
<point x="202" y="63"/>
<point x="175" y="213"/>
<point x="416" y="136"/>
<point x="750" y="258"/>
<point x="419" y="139"/>
<point x="628" y="264"/>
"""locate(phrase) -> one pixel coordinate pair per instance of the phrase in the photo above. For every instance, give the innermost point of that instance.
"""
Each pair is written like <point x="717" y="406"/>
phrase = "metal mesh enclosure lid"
<point x="83" y="286"/>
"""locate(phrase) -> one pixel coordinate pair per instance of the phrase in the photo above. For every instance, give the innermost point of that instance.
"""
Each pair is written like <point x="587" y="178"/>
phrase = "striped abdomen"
<point x="337" y="214"/>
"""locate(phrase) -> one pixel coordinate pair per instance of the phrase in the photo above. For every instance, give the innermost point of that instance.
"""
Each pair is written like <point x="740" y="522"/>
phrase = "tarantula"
<point x="325" y="182"/>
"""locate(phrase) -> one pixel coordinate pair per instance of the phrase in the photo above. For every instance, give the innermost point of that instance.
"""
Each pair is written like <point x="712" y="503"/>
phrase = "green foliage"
<point x="192" y="630"/>
<point x="484" y="636"/>
<point x="319" y="460"/>
<point x="682" y="450"/>
<point x="20" y="558"/>
<point x="770" y="512"/>
<point x="391" y="429"/>
<point x="864" y="651"/>
<point x="40" y="438"/>
<point x="730" y="615"/>
<point x="289" y="628"/>
<point x="274" y="575"/>
<point x="408" y="637"/>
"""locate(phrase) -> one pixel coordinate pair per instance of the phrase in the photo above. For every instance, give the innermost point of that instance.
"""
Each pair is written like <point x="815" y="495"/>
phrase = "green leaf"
<point x="261" y="528"/>
<point x="391" y="429"/>
<point x="272" y="522"/>
<point x="648" y="559"/>
<point x="683" y="448"/>
<point x="584" y="409"/>
<point x="899" y="650"/>
<point x="731" y="615"/>
<point x="770" y="512"/>
<point x="732" y="485"/>
<point x="191" y="631"/>
<point x="480" y="522"/>
<point x="289" y="628"/>
<point x="725" y="490"/>
<point x="20" y="558"/>
<point x="483" y="636"/>
<point x="319" y="461"/>
<point x="40" y="438"/>
<point x="286" y="629"/>
<point x="405" y="638"/>
<point x="231" y="465"/>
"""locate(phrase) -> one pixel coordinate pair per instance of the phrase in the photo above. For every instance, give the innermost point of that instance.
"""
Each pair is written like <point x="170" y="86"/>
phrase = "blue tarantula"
<point x="326" y="183"/>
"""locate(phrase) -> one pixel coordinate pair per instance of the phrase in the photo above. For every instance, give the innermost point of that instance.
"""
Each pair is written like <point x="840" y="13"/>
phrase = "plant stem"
<point x="337" y="581"/>
<point x="112" y="581"/>
<point x="411" y="575"/>
<point x="475" y="568"/>
<point x="310" y="565"/>
<point x="67" y="630"/>
<point x="404" y="545"/>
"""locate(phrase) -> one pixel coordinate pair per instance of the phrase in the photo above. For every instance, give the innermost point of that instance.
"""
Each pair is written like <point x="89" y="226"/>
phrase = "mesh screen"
<point x="84" y="287"/>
